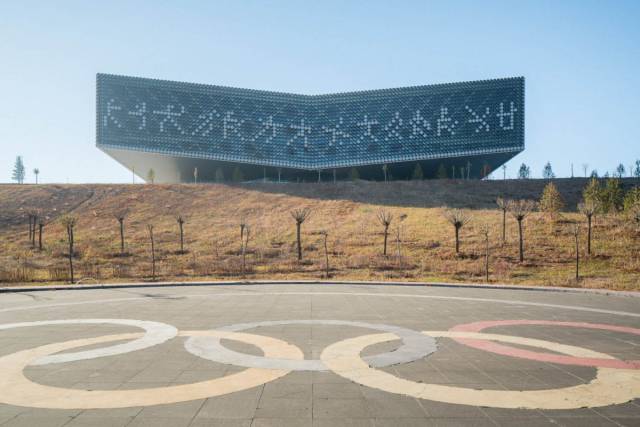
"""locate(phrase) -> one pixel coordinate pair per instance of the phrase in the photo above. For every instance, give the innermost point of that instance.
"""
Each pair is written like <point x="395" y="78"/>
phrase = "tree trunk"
<point x="40" y="227"/>
<point x="521" y="242"/>
<point x="244" y="258"/>
<point x="70" y="237"/>
<point x="121" y="237"/>
<point x="589" y="235"/>
<point x="457" y="239"/>
<point x="241" y="237"/>
<point x="386" y="233"/>
<point x="33" y="232"/>
<point x="153" y="257"/>
<point x="486" y="260"/>
<point x="577" y="260"/>
<point x="326" y="256"/>
<point x="181" y="239"/>
<point x="299" y="242"/>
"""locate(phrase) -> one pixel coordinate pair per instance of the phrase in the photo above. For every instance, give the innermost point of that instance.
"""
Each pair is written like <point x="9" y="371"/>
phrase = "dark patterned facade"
<point x="466" y="129"/>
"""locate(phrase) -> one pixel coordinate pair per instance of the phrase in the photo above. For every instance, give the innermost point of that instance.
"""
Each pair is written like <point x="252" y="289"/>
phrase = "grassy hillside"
<point x="347" y="211"/>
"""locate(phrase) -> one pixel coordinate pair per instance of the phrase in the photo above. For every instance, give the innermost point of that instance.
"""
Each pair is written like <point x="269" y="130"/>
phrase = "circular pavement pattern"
<point x="605" y="380"/>
<point x="414" y="346"/>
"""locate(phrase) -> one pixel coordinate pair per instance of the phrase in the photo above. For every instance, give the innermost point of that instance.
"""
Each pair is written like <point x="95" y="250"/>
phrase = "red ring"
<point x="506" y="350"/>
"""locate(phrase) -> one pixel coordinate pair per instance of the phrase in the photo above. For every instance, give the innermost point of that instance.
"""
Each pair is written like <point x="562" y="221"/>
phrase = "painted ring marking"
<point x="611" y="386"/>
<point x="155" y="333"/>
<point x="546" y="357"/>
<point x="20" y="391"/>
<point x="415" y="345"/>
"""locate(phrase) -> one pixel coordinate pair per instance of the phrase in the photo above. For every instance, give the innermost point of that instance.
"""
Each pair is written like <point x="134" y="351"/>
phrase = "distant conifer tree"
<point x="18" y="170"/>
<point x="524" y="172"/>
<point x="547" y="172"/>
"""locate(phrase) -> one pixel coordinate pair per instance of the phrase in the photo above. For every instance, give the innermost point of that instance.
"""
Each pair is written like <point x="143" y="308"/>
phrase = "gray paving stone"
<point x="317" y="398"/>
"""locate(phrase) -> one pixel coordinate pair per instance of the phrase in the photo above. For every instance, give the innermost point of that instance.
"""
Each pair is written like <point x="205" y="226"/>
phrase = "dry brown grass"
<point x="346" y="211"/>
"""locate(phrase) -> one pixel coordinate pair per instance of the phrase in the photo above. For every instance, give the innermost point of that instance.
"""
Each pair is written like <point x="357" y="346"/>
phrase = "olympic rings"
<point x="607" y="362"/>
<point x="414" y="346"/>
<point x="615" y="382"/>
<point x="18" y="390"/>
<point x="611" y="386"/>
<point x="155" y="333"/>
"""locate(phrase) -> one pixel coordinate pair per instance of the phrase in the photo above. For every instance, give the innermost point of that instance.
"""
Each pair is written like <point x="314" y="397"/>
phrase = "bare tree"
<point x="520" y="209"/>
<point x="325" y="234"/>
<point x="503" y="204"/>
<point x="588" y="208"/>
<point x="585" y="166"/>
<point x="120" y="215"/>
<point x="33" y="220"/>
<point x="300" y="216"/>
<point x="243" y="226"/>
<point x="153" y="252"/>
<point x="458" y="219"/>
<point x="69" y="222"/>
<point x="485" y="233"/>
<point x="181" y="220"/>
<point x="385" y="218"/>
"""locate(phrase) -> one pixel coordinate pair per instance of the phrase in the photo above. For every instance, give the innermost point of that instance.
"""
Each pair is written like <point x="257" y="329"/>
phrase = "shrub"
<point x="612" y="196"/>
<point x="551" y="201"/>
<point x="631" y="199"/>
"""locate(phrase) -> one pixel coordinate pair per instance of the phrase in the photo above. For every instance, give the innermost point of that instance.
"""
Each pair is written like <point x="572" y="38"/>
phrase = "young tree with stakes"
<point x="503" y="204"/>
<point x="40" y="229"/>
<point x="120" y="216"/>
<point x="588" y="208"/>
<point x="181" y="220"/>
<point x="153" y="252"/>
<point x="458" y="219"/>
<point x="385" y="218"/>
<point x="520" y="209"/>
<point x="69" y="222"/>
<point x="485" y="233"/>
<point x="300" y="216"/>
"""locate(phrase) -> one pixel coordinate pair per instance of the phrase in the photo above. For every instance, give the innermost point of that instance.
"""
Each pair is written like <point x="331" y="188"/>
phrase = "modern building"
<point x="175" y="129"/>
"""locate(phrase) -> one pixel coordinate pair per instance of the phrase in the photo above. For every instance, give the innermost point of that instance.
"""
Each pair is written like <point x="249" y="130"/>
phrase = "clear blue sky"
<point x="581" y="60"/>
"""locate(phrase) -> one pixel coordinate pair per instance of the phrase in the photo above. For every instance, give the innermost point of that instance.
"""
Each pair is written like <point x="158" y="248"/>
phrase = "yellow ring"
<point x="20" y="391"/>
<point x="610" y="386"/>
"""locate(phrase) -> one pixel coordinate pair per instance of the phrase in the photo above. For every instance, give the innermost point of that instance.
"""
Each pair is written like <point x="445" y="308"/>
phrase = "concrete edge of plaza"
<point x="79" y="286"/>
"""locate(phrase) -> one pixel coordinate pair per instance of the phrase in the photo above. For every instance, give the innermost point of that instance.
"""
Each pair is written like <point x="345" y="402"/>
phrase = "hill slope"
<point x="347" y="211"/>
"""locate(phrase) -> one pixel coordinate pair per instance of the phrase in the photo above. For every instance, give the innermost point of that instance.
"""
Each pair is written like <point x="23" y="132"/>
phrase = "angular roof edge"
<point x="260" y="92"/>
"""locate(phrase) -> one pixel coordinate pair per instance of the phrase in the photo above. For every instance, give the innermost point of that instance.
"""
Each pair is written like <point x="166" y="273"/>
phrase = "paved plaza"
<point x="318" y="355"/>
